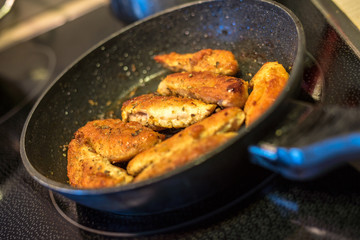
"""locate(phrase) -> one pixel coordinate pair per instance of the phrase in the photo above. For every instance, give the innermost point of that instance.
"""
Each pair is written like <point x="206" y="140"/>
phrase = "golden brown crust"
<point x="116" y="140"/>
<point x="102" y="142"/>
<point x="161" y="112"/>
<point x="206" y="60"/>
<point x="222" y="90"/>
<point x="182" y="156"/>
<point x="224" y="121"/>
<point x="267" y="83"/>
<point x="87" y="169"/>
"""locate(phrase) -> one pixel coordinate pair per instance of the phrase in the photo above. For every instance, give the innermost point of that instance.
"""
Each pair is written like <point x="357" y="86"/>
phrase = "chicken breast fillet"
<point x="268" y="83"/>
<point x="162" y="112"/>
<point x="100" y="143"/>
<point x="206" y="60"/>
<point x="187" y="145"/>
<point x="116" y="140"/>
<point x="87" y="169"/>
<point x="222" y="90"/>
<point x="183" y="156"/>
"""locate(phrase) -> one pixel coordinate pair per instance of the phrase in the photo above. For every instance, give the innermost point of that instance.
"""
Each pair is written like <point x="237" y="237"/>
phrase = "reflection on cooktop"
<point x="112" y="224"/>
<point x="29" y="19"/>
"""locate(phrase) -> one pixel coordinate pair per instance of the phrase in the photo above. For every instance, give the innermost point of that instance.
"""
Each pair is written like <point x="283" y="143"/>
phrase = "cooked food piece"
<point x="188" y="144"/>
<point x="116" y="140"/>
<point x="181" y="157"/>
<point x="206" y="60"/>
<point x="267" y="84"/>
<point x="87" y="169"/>
<point x="100" y="143"/>
<point x="162" y="112"/>
<point x="222" y="90"/>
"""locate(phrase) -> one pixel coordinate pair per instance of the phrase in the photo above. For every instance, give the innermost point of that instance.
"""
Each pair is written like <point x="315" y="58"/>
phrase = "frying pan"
<point x="256" y="31"/>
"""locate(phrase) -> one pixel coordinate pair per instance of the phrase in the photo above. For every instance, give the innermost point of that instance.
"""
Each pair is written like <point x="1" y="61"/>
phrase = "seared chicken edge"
<point x="185" y="143"/>
<point x="225" y="91"/>
<point x="100" y="143"/>
<point x="206" y="60"/>
<point x="267" y="83"/>
<point x="164" y="112"/>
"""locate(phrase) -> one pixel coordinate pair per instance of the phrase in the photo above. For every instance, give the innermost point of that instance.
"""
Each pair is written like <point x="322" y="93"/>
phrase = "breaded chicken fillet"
<point x="268" y="83"/>
<point x="206" y="60"/>
<point x="164" y="112"/>
<point x="188" y="144"/>
<point x="88" y="169"/>
<point x="116" y="140"/>
<point x="100" y="143"/>
<point x="184" y="155"/>
<point x="222" y="90"/>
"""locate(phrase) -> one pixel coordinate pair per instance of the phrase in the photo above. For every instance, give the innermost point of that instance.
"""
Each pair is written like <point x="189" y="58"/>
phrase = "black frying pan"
<point x="255" y="31"/>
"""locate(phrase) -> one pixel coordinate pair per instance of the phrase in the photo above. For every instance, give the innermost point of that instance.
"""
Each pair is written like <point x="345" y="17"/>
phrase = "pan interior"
<point x="123" y="66"/>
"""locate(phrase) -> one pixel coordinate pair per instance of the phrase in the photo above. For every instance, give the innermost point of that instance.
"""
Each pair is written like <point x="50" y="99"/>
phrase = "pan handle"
<point x="314" y="139"/>
<point x="307" y="162"/>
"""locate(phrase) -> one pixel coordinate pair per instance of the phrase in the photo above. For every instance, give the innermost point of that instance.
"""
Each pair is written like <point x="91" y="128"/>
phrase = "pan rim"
<point x="67" y="189"/>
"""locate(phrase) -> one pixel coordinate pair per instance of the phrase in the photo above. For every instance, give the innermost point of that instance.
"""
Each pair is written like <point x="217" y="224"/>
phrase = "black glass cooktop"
<point x="276" y="208"/>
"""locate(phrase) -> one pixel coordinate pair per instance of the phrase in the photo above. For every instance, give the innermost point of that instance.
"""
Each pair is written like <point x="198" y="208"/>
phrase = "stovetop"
<point x="324" y="208"/>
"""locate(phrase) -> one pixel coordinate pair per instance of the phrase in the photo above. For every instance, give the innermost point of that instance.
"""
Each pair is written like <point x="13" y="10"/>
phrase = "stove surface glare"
<point x="27" y="67"/>
<point x="28" y="19"/>
<point x="5" y="7"/>
<point x="128" y="225"/>
<point x="24" y="10"/>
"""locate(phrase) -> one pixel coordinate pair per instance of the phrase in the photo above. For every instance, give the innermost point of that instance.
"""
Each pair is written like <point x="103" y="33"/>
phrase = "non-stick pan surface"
<point x="255" y="31"/>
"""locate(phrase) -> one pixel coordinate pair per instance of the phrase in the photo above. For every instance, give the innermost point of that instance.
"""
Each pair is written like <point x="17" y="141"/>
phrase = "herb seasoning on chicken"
<point x="206" y="60"/>
<point x="222" y="90"/>
<point x="163" y="112"/>
<point x="100" y="143"/>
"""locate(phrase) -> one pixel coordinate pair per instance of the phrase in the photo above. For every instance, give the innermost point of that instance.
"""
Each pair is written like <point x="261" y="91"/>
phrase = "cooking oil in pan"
<point x="145" y="85"/>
